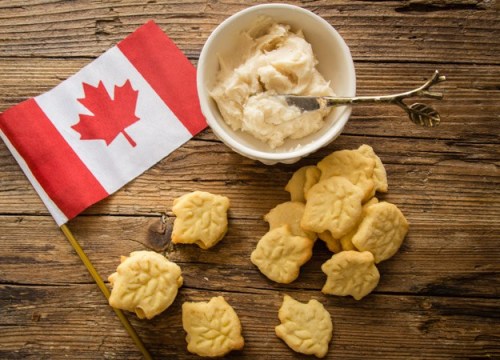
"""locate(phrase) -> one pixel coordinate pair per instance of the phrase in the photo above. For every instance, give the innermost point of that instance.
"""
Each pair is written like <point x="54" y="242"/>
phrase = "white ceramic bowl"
<point x="335" y="64"/>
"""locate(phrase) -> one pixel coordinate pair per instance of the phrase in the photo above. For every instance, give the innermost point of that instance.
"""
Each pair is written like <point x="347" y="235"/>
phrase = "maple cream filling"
<point x="270" y="60"/>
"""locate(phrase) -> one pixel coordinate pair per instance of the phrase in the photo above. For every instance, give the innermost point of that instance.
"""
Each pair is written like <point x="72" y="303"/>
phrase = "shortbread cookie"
<point x="289" y="213"/>
<point x="346" y="240"/>
<point x="332" y="244"/>
<point x="372" y="201"/>
<point x="213" y="328"/>
<point x="350" y="273"/>
<point x="301" y="181"/>
<point x="313" y="174"/>
<point x="279" y="254"/>
<point x="201" y="219"/>
<point x="354" y="166"/>
<point x="145" y="283"/>
<point x="382" y="231"/>
<point x="305" y="328"/>
<point x="379" y="173"/>
<point x="333" y="204"/>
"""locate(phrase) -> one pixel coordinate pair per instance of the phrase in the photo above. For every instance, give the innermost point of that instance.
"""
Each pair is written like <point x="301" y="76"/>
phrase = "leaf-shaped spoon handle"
<point x="420" y="114"/>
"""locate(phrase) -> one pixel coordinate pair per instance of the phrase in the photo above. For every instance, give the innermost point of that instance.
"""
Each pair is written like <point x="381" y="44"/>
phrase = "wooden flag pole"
<point x="100" y="283"/>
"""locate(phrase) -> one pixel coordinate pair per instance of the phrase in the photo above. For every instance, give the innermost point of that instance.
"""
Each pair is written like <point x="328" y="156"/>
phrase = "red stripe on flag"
<point x="56" y="167"/>
<point x="168" y="71"/>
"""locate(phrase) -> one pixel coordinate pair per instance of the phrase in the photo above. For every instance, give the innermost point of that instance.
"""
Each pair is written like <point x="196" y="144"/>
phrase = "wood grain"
<point x="471" y="95"/>
<point x="422" y="172"/>
<point x="382" y="31"/>
<point x="429" y="327"/>
<point x="438" y="298"/>
<point x="425" y="265"/>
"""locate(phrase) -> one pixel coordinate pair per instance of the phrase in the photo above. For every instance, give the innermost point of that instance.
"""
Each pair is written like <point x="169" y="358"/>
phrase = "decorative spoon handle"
<point x="420" y="114"/>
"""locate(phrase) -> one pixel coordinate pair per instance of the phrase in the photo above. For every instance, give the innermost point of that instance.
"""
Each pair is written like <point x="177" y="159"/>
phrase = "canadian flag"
<point x="107" y="124"/>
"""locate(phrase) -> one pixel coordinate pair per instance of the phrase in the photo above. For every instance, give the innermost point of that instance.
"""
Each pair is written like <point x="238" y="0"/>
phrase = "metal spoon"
<point x="420" y="114"/>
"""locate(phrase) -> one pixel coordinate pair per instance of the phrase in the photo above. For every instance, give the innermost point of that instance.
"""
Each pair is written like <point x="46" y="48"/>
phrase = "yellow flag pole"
<point x="102" y="286"/>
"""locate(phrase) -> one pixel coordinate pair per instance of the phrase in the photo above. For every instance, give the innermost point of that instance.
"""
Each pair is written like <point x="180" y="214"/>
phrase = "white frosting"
<point x="270" y="60"/>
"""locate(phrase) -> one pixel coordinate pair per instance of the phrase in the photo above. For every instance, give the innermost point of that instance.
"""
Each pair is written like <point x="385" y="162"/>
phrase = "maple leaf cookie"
<point x="289" y="213"/>
<point x="279" y="254"/>
<point x="201" y="219"/>
<point x="333" y="204"/>
<point x="350" y="273"/>
<point x="332" y="244"/>
<point x="379" y="174"/>
<point x="382" y="231"/>
<point x="305" y="328"/>
<point x="213" y="328"/>
<point x="354" y="166"/>
<point x="145" y="283"/>
<point x="346" y="240"/>
<point x="301" y="181"/>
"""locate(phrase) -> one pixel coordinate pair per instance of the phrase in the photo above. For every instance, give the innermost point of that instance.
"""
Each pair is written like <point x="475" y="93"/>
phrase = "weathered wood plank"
<point x="430" y="179"/>
<point x="374" y="30"/>
<point x="472" y="95"/>
<point x="74" y="320"/>
<point x="33" y="251"/>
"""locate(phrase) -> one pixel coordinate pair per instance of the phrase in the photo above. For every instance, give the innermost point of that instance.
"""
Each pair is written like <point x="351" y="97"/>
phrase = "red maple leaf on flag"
<point x="110" y="116"/>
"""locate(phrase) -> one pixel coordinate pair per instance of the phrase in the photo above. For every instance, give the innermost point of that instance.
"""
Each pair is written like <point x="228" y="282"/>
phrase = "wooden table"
<point x="439" y="297"/>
